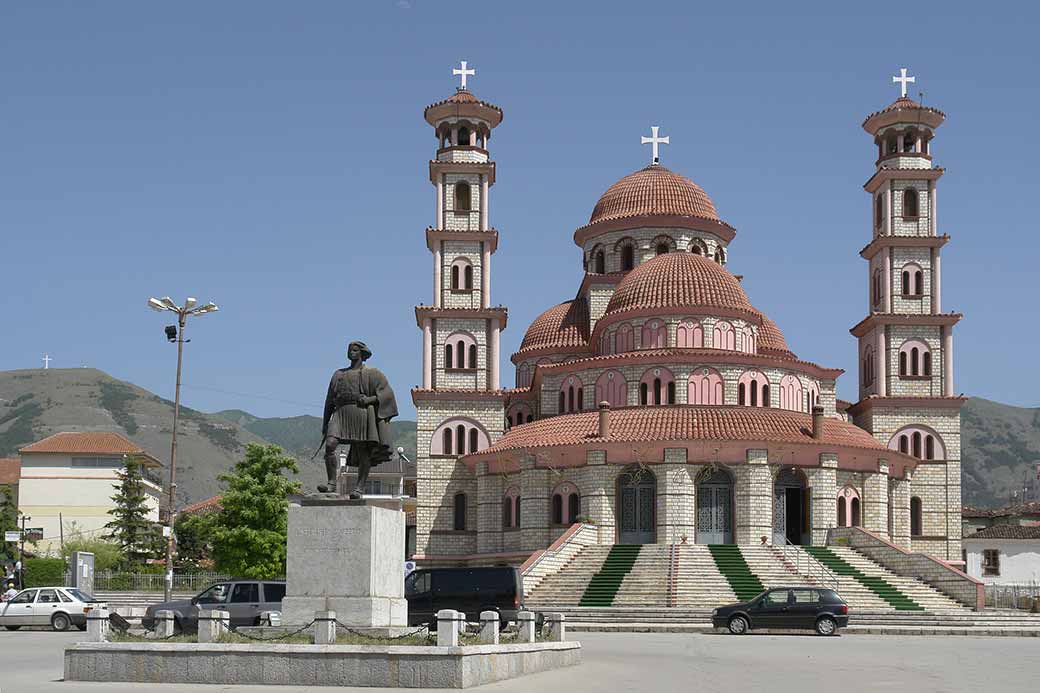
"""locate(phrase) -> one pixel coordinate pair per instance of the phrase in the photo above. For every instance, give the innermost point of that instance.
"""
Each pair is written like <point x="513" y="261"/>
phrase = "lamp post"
<point x="175" y="334"/>
<point x="21" y="555"/>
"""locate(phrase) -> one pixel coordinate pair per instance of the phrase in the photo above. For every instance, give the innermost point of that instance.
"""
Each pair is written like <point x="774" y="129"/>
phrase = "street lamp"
<point x="174" y="335"/>
<point x="21" y="555"/>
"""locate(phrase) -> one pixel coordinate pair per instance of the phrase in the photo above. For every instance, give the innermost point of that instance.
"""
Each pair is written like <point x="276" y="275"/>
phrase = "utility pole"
<point x="21" y="555"/>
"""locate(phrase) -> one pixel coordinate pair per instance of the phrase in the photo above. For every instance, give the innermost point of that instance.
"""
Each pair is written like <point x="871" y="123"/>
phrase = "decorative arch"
<point x="849" y="507"/>
<point x="912" y="280"/>
<point x="697" y="247"/>
<point x="919" y="441"/>
<point x="663" y="244"/>
<point x="654" y="335"/>
<point x="624" y="339"/>
<point x="523" y="374"/>
<point x="461" y="274"/>
<point x="812" y="395"/>
<point x="689" y="334"/>
<point x="791" y="393"/>
<point x="460" y="351"/>
<point x="606" y="343"/>
<point x="598" y="260"/>
<point x="723" y="336"/>
<point x="915" y="358"/>
<point x="566" y="504"/>
<point x="657" y="387"/>
<point x="747" y="338"/>
<point x="705" y="387"/>
<point x="511" y="508"/>
<point x="572" y="395"/>
<point x="611" y="387"/>
<point x="518" y="414"/>
<point x="626" y="248"/>
<point x="753" y="389"/>
<point x="457" y="436"/>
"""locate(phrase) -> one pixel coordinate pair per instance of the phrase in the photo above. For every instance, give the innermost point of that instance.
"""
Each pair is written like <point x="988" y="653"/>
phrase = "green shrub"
<point x="43" y="572"/>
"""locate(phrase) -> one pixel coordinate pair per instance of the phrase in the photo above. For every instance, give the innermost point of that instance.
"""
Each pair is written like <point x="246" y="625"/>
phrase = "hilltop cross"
<point x="654" y="140"/>
<point x="46" y="361"/>
<point x="903" y="80"/>
<point x="463" y="73"/>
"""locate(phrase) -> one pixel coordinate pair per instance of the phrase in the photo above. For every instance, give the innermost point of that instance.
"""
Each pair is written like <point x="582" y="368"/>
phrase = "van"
<point x="469" y="590"/>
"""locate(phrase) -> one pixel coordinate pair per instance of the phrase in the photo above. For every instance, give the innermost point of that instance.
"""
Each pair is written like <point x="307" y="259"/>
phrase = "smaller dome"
<point x="564" y="327"/>
<point x="654" y="191"/>
<point x="679" y="280"/>
<point x="904" y="110"/>
<point x="770" y="337"/>
<point x="463" y="104"/>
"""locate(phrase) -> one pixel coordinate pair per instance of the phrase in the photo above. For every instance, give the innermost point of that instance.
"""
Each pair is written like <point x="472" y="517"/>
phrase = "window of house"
<point x="573" y="508"/>
<point x="991" y="562"/>
<point x="460" y="512"/>
<point x="507" y="512"/>
<point x="468" y="277"/>
<point x="473" y="438"/>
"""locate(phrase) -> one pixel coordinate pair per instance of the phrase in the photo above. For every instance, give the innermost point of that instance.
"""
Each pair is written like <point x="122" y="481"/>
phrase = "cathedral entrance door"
<point x="790" y="509"/>
<point x="715" y="509"/>
<point x="637" y="507"/>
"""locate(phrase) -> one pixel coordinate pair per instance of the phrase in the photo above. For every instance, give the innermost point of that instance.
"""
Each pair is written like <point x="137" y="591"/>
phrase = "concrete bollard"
<point x="557" y="629"/>
<point x="324" y="627"/>
<point x="462" y="623"/>
<point x="97" y="625"/>
<point x="489" y="627"/>
<point x="213" y="625"/>
<point x="526" y="620"/>
<point x="447" y="628"/>
<point x="164" y="624"/>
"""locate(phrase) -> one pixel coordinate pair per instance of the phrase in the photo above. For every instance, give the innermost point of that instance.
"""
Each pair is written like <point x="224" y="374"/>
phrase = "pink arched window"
<point x="920" y="441"/>
<point x="848" y="507"/>
<point x="753" y="389"/>
<point x="572" y="395"/>
<point x="460" y="351"/>
<point x="611" y="387"/>
<point x="657" y="386"/>
<point x="511" y="508"/>
<point x="723" y="336"/>
<point x="747" y="340"/>
<point x="791" y="393"/>
<point x="518" y="414"/>
<point x="915" y="358"/>
<point x="461" y="275"/>
<point x="812" y="396"/>
<point x="458" y="436"/>
<point x="655" y="335"/>
<point x="705" y="387"/>
<point x="912" y="280"/>
<point x="523" y="375"/>
<point x="689" y="334"/>
<point x="606" y="343"/>
<point x="624" y="339"/>
<point x="867" y="366"/>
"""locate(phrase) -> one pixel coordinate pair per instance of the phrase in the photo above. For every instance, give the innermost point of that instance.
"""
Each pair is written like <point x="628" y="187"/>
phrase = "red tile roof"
<point x="10" y="470"/>
<point x="86" y="443"/>
<point x="203" y="506"/>
<point x="1006" y="532"/>
<point x="770" y="336"/>
<point x="685" y="422"/>
<point x="654" y="191"/>
<point x="905" y="103"/>
<point x="461" y="104"/>
<point x="678" y="280"/>
<point x="565" y="327"/>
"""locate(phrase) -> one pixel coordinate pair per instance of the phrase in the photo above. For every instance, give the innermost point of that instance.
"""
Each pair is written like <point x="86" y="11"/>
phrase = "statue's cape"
<point x="373" y="384"/>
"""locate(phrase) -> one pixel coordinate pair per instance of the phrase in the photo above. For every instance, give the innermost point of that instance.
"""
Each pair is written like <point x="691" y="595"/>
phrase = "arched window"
<point x="920" y="441"/>
<point x="848" y="507"/>
<point x="458" y="431"/>
<point x="892" y="145"/>
<point x="656" y="387"/>
<point x="460" y="439"/>
<point x="628" y="257"/>
<point x="747" y="339"/>
<point x="926" y="363"/>
<point x="875" y="287"/>
<point x="790" y="393"/>
<point x="446" y="441"/>
<point x="914" y="358"/>
<point x="523" y="375"/>
<point x="879" y="210"/>
<point x="842" y="521"/>
<point x="511" y="508"/>
<point x="461" y="274"/>
<point x="697" y="247"/>
<point x="557" y="509"/>
<point x="655" y="335"/>
<point x="910" y="203"/>
<point x="464" y="136"/>
<point x="689" y="334"/>
<point x="661" y="248"/>
<point x="467" y="277"/>
<point x="600" y="262"/>
<point x="473" y="440"/>
<point x="507" y="513"/>
<point x="564" y="504"/>
<point x="455" y="277"/>
<point x="723" y="336"/>
<point x="460" y="512"/>
<point x="868" y="365"/>
<point x="472" y="361"/>
<point x="855" y="512"/>
<point x="915" y="517"/>
<point x="813" y="396"/>
<point x="929" y="448"/>
<point x="463" y="200"/>
<point x="573" y="507"/>
<point x="624" y="339"/>
<point x="518" y="412"/>
<point x="904" y="444"/>
<point x="909" y="141"/>
<point x="912" y="280"/>
<point x="611" y="387"/>
<point x="755" y="389"/>
<point x="705" y="387"/>
<point x="460" y="354"/>
<point x="449" y="351"/>
<point x="571" y="395"/>
<point x="720" y="255"/>
<point x="562" y="409"/>
<point x="644" y="393"/>
<point x="902" y="363"/>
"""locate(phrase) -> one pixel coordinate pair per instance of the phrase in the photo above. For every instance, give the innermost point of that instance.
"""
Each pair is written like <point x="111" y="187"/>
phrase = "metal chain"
<point x="235" y="630"/>
<point x="359" y="634"/>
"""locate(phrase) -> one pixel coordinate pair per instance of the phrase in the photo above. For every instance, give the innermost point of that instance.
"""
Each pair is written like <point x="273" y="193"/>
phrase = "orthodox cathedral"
<point x="659" y="404"/>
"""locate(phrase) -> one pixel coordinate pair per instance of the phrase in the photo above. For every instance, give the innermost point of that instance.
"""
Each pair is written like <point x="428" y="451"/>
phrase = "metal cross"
<point x="654" y="140"/>
<point x="46" y="361"/>
<point x="903" y="80"/>
<point x="463" y="73"/>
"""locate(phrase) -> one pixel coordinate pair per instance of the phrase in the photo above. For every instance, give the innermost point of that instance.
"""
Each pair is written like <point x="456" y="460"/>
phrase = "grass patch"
<point x="21" y="432"/>
<point x="224" y="438"/>
<point x="116" y="399"/>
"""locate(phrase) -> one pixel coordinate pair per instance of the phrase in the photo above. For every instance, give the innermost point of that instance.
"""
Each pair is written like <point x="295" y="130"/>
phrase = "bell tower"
<point x="460" y="402"/>
<point x="906" y="395"/>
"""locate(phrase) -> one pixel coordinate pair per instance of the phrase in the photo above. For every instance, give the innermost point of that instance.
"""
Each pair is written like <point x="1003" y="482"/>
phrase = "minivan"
<point x="469" y="590"/>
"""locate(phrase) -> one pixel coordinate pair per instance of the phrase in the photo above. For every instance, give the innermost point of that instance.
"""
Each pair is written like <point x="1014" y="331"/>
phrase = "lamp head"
<point x="156" y="304"/>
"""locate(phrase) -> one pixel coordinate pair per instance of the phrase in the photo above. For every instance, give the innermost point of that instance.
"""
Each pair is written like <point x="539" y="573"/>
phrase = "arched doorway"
<point x="791" y="520"/>
<point x="715" y="508"/>
<point x="637" y="506"/>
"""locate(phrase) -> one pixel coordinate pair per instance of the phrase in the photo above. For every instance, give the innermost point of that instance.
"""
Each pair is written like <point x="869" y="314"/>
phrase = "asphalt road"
<point x="31" y="661"/>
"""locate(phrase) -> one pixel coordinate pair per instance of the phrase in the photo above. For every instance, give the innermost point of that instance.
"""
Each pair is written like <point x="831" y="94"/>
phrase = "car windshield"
<point x="217" y="594"/>
<point x="79" y="595"/>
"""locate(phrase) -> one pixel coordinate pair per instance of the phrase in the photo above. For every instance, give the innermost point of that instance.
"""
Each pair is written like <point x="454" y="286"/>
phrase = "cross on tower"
<point x="46" y="361"/>
<point x="654" y="140"/>
<point x="903" y="80"/>
<point x="463" y="73"/>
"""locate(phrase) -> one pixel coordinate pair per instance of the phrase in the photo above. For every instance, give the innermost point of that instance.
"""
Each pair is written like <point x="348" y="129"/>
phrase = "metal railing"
<point x="146" y="582"/>
<point x="805" y="564"/>
<point x="1018" y="596"/>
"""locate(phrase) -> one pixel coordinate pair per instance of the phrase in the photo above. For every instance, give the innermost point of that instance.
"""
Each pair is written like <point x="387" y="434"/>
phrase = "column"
<point x="675" y="498"/>
<point x="888" y="210"/>
<point x="534" y="506"/>
<point x="437" y="275"/>
<point x="947" y="359"/>
<point x="440" y="205"/>
<point x="901" y="512"/>
<point x="754" y="499"/>
<point x="485" y="276"/>
<point x="934" y="205"/>
<point x="823" y="490"/>
<point x="427" y="348"/>
<point x="484" y="202"/>
<point x="886" y="284"/>
<point x="494" y="382"/>
<point x="597" y="499"/>
<point x="875" y="500"/>
<point x="936" y="282"/>
<point x="489" y="510"/>
<point x="881" y="350"/>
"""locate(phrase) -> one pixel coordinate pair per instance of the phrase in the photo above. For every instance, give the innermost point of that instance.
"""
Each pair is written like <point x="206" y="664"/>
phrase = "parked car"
<point x="244" y="600"/>
<point x="819" y="609"/>
<point x="58" y="607"/>
<point x="469" y="590"/>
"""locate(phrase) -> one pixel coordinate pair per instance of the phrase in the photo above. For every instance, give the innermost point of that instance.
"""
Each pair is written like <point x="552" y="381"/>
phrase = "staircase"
<point x="730" y="562"/>
<point x="849" y="575"/>
<point x="697" y="582"/>
<point x="604" y="585"/>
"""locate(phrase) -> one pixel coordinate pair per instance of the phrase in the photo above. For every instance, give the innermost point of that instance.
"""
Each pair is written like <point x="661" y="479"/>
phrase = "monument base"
<point x="353" y="612"/>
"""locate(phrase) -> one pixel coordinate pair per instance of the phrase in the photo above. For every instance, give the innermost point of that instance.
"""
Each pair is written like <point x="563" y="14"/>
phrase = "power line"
<point x="309" y="405"/>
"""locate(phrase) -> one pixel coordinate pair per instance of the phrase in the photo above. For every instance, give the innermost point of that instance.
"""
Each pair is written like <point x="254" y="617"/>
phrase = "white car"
<point x="58" y="607"/>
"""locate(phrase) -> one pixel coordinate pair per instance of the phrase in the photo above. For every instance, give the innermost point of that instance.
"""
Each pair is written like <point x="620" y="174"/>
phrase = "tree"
<point x="137" y="536"/>
<point x="194" y="533"/>
<point x="107" y="555"/>
<point x="251" y="527"/>
<point x="8" y="519"/>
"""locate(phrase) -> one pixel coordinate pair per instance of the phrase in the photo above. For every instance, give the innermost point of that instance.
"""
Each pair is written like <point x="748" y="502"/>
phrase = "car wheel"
<point x="826" y="626"/>
<point x="60" y="622"/>
<point x="12" y="627"/>
<point x="738" y="625"/>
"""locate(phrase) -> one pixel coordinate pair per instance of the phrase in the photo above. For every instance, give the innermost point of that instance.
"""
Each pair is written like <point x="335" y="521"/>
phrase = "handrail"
<point x="825" y="576"/>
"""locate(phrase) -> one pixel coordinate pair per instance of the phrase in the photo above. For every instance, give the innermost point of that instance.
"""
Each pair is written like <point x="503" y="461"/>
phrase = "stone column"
<point x="754" y="499"/>
<point x="324" y="627"/>
<point x="489" y="627"/>
<point x="557" y="626"/>
<point x="527" y="626"/>
<point x="483" y="203"/>
<point x="489" y="510"/>
<point x="823" y="483"/>
<point x="494" y="378"/>
<point x="947" y="360"/>
<point x="598" y="499"/>
<point x="534" y="506"/>
<point x="438" y="300"/>
<point x="901" y="513"/>
<point x="213" y="625"/>
<point x="97" y="625"/>
<point x="881" y="351"/>
<point x="439" y="224"/>
<point x="675" y="498"/>
<point x="427" y="348"/>
<point x="448" y="628"/>
<point x="485" y="276"/>
<point x="875" y="500"/>
<point x="936" y="281"/>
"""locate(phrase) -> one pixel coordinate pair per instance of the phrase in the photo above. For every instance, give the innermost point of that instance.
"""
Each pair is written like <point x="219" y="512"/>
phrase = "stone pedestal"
<point x="345" y="556"/>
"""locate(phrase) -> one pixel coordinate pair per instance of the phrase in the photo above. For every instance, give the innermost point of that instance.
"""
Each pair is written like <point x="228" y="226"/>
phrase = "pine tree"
<point x="130" y="527"/>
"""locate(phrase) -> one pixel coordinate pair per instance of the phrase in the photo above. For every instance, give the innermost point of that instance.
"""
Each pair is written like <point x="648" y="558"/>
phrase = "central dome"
<point x="679" y="280"/>
<point x="654" y="191"/>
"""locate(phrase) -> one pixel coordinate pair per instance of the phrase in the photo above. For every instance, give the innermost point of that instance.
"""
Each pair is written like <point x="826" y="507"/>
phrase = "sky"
<point x="272" y="157"/>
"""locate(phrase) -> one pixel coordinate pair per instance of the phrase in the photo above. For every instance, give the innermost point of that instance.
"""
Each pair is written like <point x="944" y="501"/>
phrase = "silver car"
<point x="58" y="607"/>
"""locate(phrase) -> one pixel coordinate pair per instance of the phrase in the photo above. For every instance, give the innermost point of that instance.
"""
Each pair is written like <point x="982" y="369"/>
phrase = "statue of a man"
<point x="358" y="409"/>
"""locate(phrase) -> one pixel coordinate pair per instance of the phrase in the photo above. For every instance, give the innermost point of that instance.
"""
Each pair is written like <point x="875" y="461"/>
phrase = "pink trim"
<point x="554" y="547"/>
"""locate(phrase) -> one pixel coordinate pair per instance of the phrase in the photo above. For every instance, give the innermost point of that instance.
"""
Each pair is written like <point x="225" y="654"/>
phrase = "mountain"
<point x="1000" y="450"/>
<point x="36" y="403"/>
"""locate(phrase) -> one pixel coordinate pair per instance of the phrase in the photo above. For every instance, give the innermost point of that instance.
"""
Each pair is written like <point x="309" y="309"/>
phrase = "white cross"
<point x="463" y="73"/>
<point x="903" y="80"/>
<point x="46" y="361"/>
<point x="654" y="140"/>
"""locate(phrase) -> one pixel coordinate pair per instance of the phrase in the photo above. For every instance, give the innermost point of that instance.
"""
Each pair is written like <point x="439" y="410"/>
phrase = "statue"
<point x="358" y="409"/>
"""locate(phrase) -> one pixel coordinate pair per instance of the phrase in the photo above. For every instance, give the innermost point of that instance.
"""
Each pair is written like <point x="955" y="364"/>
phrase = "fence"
<point x="145" y="582"/>
<point x="1012" y="596"/>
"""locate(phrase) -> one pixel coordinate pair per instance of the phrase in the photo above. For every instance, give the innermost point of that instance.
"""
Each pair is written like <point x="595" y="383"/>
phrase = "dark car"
<point x="244" y="600"/>
<point x="803" y="608"/>
<point x="469" y="590"/>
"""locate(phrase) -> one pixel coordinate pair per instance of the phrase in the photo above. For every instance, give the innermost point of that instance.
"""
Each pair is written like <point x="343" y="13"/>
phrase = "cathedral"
<point x="659" y="405"/>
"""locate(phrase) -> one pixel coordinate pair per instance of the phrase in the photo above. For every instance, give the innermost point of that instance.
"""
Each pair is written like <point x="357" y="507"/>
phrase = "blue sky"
<point x="272" y="157"/>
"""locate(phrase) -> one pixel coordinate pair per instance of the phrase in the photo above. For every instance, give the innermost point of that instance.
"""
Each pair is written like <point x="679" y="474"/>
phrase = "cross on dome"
<point x="655" y="141"/>
<point x="464" y="72"/>
<point x="902" y="79"/>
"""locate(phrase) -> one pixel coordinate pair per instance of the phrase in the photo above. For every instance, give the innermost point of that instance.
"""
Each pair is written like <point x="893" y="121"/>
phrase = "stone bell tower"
<point x="906" y="394"/>
<point x="460" y="403"/>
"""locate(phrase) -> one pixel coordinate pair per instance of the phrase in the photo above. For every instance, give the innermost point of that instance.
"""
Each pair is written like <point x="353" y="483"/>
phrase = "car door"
<point x="274" y="593"/>
<point x="244" y="605"/>
<point x="771" y="610"/>
<point x="418" y="592"/>
<point x="47" y="602"/>
<point x="804" y="605"/>
<point x="19" y="610"/>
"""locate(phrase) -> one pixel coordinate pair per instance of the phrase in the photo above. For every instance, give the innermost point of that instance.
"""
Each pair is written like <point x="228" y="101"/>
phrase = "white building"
<point x="69" y="479"/>
<point x="1004" y="555"/>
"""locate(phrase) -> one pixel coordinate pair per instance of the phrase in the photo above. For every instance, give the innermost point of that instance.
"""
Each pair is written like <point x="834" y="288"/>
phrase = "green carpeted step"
<point x="877" y="585"/>
<point x="734" y="568"/>
<point x="603" y="586"/>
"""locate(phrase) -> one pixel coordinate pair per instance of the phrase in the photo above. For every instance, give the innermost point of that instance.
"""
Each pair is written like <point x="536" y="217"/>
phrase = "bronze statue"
<point x="358" y="409"/>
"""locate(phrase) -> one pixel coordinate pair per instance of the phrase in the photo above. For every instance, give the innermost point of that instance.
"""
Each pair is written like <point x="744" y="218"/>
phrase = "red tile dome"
<point x="564" y="327"/>
<point x="770" y="337"/>
<point x="654" y="191"/>
<point x="679" y="280"/>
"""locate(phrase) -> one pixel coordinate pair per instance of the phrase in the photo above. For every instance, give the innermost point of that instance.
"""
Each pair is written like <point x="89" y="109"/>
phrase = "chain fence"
<point x="1018" y="596"/>
<point x="148" y="582"/>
